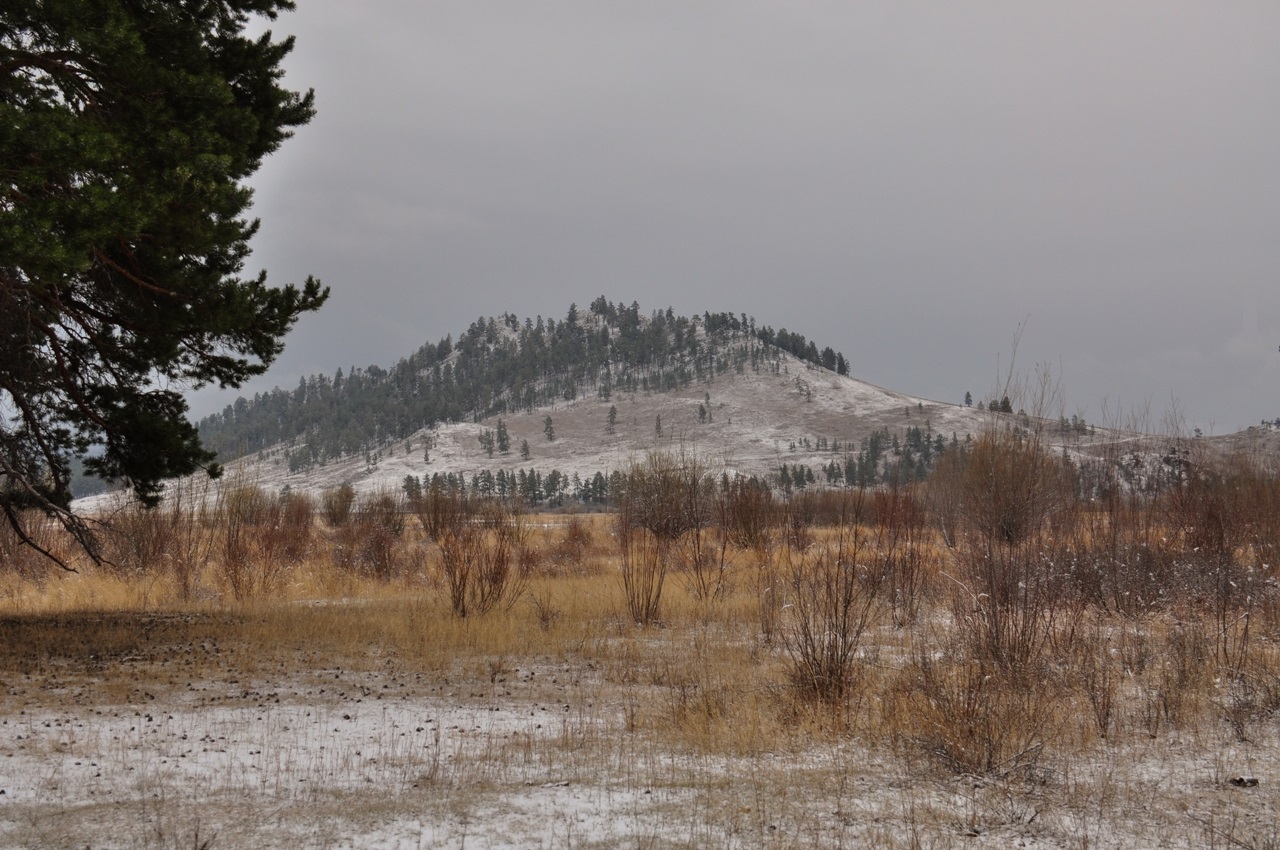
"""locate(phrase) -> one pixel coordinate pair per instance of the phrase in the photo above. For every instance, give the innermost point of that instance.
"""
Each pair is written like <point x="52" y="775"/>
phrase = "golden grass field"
<point x="312" y="703"/>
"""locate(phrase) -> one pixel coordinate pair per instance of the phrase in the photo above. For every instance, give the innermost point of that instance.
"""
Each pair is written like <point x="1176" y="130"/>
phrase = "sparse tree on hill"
<point x="504" y="439"/>
<point x="611" y="427"/>
<point x="549" y="430"/>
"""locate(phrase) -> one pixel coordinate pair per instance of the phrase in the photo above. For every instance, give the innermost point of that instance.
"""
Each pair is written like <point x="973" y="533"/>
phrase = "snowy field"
<point x="530" y="753"/>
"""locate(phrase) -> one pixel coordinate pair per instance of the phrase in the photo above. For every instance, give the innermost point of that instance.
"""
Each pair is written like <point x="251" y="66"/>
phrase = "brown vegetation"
<point x="1000" y="619"/>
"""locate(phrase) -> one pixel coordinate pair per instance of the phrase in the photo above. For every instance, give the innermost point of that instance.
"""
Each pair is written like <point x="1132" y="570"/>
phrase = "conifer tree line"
<point x="882" y="458"/>
<point x="500" y="366"/>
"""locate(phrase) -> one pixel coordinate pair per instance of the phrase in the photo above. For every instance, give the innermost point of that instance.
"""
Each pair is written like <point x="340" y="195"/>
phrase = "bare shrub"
<point x="568" y="552"/>
<point x="22" y="557"/>
<point x="1012" y="486"/>
<point x="746" y="511"/>
<point x="545" y="609"/>
<point x="974" y="717"/>
<point x="440" y="510"/>
<point x="576" y="540"/>
<point x="336" y="505"/>
<point x="1177" y="682"/>
<point x="238" y="515"/>
<point x="481" y="557"/>
<point x="370" y="540"/>
<point x="797" y="524"/>
<point x="1224" y="513"/>
<point x="667" y="494"/>
<point x="944" y="494"/>
<point x="902" y="551"/>
<point x="659" y="501"/>
<point x="1012" y="603"/>
<point x="137" y="539"/>
<point x="1099" y="677"/>
<point x="770" y="592"/>
<point x="178" y="537"/>
<point x="703" y="558"/>
<point x="644" y="571"/>
<point x="287" y="530"/>
<point x="830" y="508"/>
<point x="836" y="594"/>
<point x="1014" y="578"/>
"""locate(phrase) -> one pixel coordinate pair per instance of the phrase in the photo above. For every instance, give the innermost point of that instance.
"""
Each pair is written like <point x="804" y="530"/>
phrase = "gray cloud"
<point x="906" y="182"/>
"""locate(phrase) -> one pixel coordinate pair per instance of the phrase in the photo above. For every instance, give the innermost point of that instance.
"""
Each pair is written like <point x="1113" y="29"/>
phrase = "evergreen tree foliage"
<point x="127" y="130"/>
<point x="503" y="438"/>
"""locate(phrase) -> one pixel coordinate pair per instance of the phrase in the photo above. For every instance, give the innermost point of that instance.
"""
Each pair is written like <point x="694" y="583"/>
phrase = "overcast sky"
<point x="905" y="182"/>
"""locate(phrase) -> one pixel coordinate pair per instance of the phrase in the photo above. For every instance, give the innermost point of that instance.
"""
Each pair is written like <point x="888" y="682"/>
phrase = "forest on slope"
<point x="500" y="366"/>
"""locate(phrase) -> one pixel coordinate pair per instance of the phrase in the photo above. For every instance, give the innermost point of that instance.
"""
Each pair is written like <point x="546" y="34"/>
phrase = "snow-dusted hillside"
<point x="737" y="398"/>
<point x="755" y="422"/>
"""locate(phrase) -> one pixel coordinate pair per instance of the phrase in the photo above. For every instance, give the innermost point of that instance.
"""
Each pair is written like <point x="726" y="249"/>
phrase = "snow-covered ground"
<point x="396" y="759"/>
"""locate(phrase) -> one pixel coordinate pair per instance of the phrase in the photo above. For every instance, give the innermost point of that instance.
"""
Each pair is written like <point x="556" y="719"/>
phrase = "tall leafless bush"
<point x="974" y="717"/>
<point x="21" y="557"/>
<point x="240" y="515"/>
<point x="746" y="511"/>
<point x="178" y="537"/>
<point x="1013" y="581"/>
<point x="440" y="509"/>
<point x="336" y="504"/>
<point x="661" y="499"/>
<point x="836" y="594"/>
<point x="902" y="551"/>
<point x="285" y="536"/>
<point x="370" y="541"/>
<point x="482" y="557"/>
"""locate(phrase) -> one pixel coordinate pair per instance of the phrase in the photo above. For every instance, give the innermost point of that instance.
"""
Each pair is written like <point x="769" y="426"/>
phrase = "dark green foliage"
<point x="797" y="345"/>
<point x="126" y="132"/>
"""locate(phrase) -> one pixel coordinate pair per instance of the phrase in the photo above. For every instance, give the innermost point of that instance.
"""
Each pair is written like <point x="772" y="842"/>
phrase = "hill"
<point x="550" y="409"/>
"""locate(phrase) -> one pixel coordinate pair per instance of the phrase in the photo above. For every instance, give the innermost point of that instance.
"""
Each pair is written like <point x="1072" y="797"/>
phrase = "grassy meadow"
<point x="1013" y="654"/>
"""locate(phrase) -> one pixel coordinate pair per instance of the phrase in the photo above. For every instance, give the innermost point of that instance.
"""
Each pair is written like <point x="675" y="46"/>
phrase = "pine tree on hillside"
<point x="503" y="438"/>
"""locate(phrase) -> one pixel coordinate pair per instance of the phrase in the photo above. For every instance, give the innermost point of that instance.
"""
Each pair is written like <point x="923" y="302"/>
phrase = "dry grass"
<point x="858" y="684"/>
